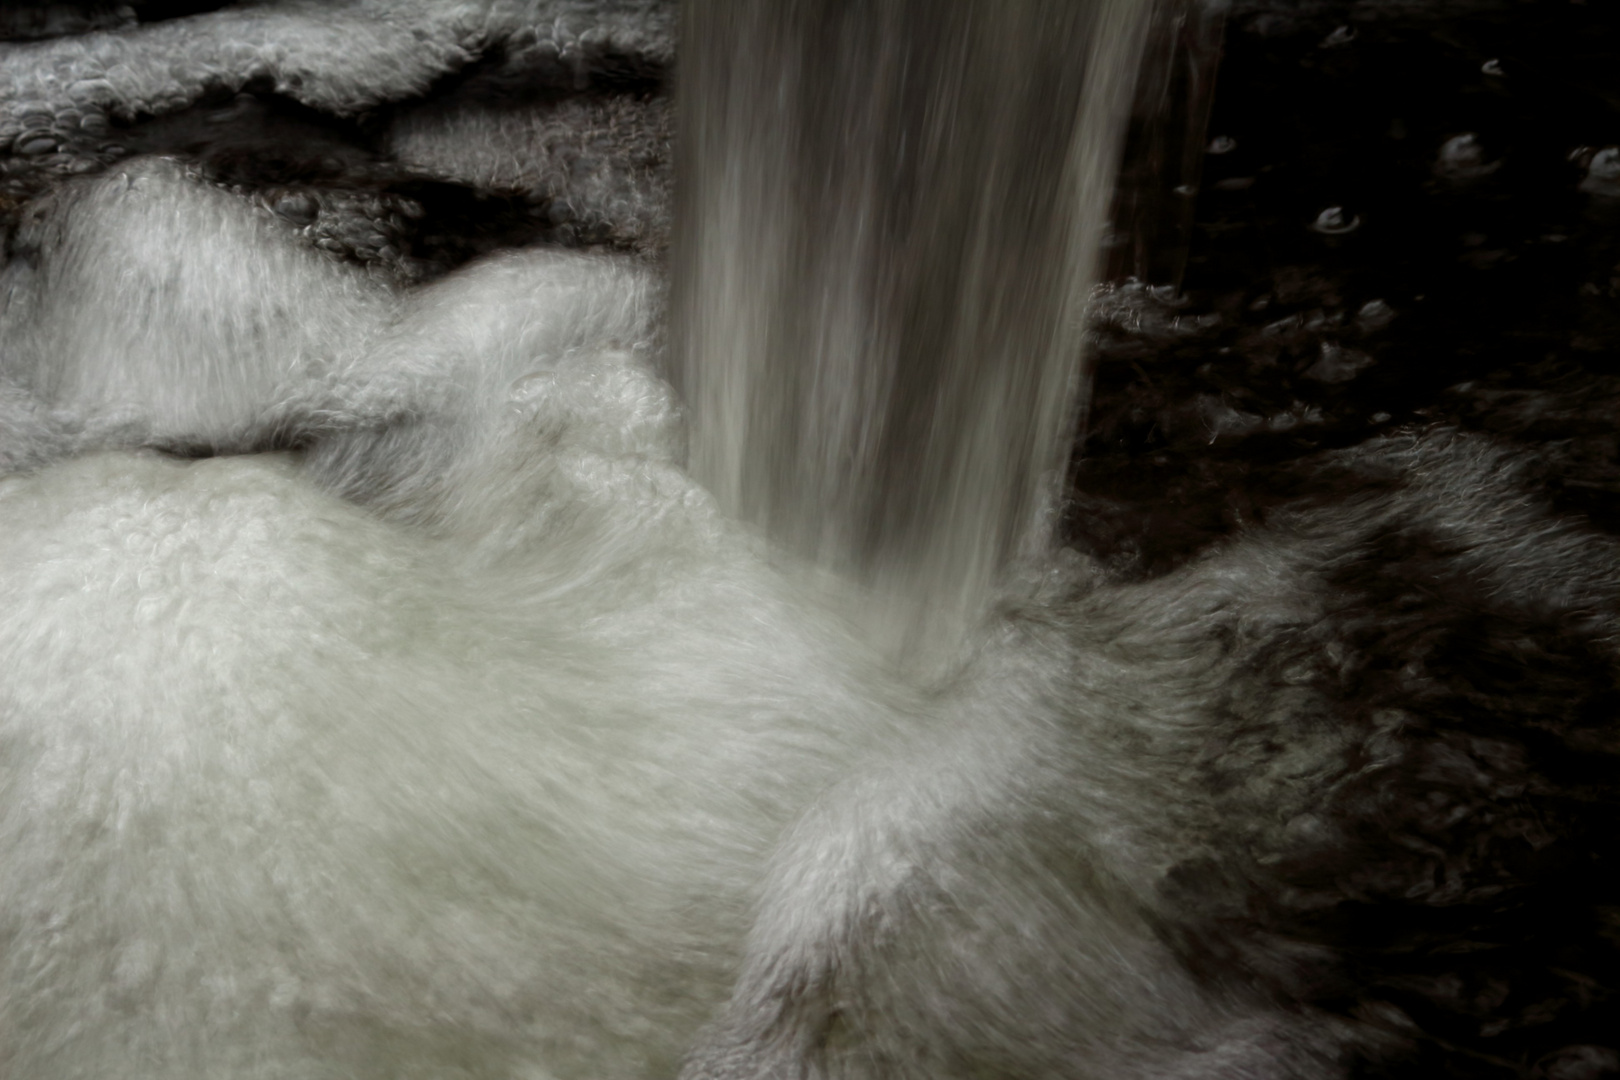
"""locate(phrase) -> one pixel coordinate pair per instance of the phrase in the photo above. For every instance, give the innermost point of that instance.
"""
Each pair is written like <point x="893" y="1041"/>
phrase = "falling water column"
<point x="888" y="220"/>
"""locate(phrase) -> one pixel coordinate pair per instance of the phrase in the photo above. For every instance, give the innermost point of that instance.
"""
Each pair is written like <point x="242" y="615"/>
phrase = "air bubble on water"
<point x="297" y="207"/>
<point x="1462" y="150"/>
<point x="1374" y="315"/>
<point x="1335" y="222"/>
<point x="1462" y="158"/>
<point x="1603" y="173"/>
<point x="1605" y="164"/>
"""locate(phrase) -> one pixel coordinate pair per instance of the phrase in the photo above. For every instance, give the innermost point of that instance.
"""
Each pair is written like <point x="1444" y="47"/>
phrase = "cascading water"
<point x="382" y="697"/>
<point x="889" y="220"/>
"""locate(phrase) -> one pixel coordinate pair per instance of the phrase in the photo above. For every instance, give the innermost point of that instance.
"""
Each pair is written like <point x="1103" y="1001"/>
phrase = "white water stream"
<point x="469" y="734"/>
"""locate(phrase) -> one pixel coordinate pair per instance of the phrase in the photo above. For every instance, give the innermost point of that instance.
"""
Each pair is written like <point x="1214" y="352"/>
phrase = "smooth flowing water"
<point x="889" y="218"/>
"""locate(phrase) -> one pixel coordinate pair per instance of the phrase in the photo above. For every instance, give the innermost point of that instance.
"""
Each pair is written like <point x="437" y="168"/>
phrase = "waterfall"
<point x="888" y="219"/>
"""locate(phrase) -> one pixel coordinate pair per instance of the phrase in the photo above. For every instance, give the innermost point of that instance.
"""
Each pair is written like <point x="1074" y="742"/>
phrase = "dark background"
<point x="1476" y="291"/>
<point x="1493" y="282"/>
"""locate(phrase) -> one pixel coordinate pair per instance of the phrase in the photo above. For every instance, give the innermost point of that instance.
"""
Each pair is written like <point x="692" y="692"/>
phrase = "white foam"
<point x="469" y="738"/>
<point x="186" y="322"/>
<point x="339" y="56"/>
<point x="291" y="783"/>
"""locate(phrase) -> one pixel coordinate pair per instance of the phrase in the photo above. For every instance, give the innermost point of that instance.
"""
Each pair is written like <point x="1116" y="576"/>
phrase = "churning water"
<point x="408" y="683"/>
